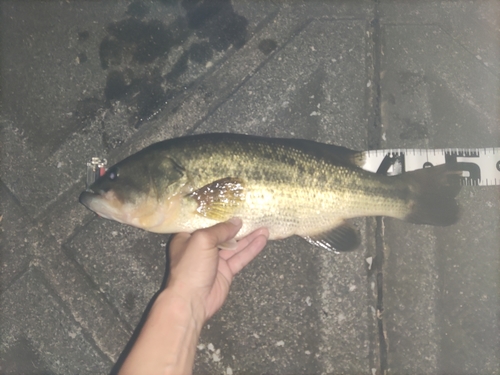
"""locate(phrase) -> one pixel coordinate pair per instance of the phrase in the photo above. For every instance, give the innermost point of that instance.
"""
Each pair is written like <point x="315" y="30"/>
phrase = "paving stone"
<point x="85" y="300"/>
<point x="22" y="358"/>
<point x="310" y="89"/>
<point x="38" y="336"/>
<point x="430" y="100"/>
<point x="295" y="321"/>
<point x="272" y="317"/>
<point x="126" y="263"/>
<point x="472" y="24"/>
<point x="436" y="100"/>
<point x="468" y="303"/>
<point x="410" y="290"/>
<point x="41" y="50"/>
<point x="23" y="244"/>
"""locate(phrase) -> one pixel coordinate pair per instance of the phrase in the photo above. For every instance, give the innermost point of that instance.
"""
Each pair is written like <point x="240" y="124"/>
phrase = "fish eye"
<point x="113" y="174"/>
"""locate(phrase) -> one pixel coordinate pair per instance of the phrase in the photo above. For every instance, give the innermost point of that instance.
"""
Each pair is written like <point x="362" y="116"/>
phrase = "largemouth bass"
<point x="290" y="186"/>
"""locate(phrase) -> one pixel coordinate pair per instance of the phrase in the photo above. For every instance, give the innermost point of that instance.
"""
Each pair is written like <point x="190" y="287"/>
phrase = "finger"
<point x="211" y="237"/>
<point x="244" y="242"/>
<point x="250" y="237"/>
<point x="237" y="262"/>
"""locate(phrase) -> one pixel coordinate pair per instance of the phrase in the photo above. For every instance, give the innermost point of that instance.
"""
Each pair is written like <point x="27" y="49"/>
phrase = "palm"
<point x="230" y="263"/>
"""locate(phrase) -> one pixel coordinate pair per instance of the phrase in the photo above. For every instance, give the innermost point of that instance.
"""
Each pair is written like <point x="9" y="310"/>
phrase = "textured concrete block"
<point x="39" y="336"/>
<point x="437" y="94"/>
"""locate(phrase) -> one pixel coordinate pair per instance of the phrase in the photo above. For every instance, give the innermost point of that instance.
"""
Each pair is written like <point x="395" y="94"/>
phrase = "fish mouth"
<point x="102" y="203"/>
<point x="86" y="198"/>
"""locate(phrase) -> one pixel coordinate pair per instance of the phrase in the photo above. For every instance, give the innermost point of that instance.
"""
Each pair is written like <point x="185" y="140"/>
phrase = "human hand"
<point x="198" y="285"/>
<point x="201" y="273"/>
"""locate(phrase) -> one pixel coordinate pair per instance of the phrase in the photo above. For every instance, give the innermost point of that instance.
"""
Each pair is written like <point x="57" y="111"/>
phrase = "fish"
<point x="291" y="186"/>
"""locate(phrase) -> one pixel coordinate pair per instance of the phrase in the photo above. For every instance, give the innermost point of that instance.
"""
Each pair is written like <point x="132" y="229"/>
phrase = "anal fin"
<point x="342" y="238"/>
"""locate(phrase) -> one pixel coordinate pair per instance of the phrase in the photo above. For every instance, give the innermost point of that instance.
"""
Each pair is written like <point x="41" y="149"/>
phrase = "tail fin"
<point x="432" y="195"/>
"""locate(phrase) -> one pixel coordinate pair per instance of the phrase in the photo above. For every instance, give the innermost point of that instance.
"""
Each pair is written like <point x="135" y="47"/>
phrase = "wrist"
<point x="167" y="342"/>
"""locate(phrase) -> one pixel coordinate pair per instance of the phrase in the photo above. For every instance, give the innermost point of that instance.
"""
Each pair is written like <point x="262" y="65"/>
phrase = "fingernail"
<point x="235" y="221"/>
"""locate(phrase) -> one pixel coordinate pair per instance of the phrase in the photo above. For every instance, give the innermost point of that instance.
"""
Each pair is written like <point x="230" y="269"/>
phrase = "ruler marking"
<point x="481" y="165"/>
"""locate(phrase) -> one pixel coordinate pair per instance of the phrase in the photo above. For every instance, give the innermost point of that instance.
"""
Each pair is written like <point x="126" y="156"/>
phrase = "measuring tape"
<point x="480" y="166"/>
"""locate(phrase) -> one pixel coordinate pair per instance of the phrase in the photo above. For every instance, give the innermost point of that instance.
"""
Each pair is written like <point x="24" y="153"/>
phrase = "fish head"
<point x="144" y="190"/>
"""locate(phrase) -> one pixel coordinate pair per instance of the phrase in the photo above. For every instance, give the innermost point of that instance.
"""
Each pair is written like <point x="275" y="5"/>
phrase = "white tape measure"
<point x="480" y="166"/>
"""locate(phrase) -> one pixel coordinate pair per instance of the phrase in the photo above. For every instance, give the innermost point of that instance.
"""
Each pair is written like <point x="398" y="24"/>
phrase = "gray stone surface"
<point x="80" y="79"/>
<point x="468" y="300"/>
<point x="36" y="326"/>
<point x="126" y="263"/>
<point x="437" y="91"/>
<point x="441" y="293"/>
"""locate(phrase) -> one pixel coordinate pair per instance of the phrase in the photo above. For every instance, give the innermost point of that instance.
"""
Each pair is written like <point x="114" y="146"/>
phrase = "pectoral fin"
<point x="232" y="244"/>
<point x="342" y="238"/>
<point x="220" y="199"/>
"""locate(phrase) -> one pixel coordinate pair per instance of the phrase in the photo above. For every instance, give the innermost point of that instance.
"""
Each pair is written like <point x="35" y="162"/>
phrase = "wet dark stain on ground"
<point x="267" y="46"/>
<point x="83" y="36"/>
<point x="135" y="52"/>
<point x="216" y="20"/>
<point x="137" y="9"/>
<point x="200" y="52"/>
<point x="87" y="109"/>
<point x="145" y="41"/>
<point x="22" y="358"/>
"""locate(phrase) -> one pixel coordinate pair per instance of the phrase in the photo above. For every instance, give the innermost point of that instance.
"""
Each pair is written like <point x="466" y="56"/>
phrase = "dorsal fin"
<point x="328" y="151"/>
<point x="325" y="151"/>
